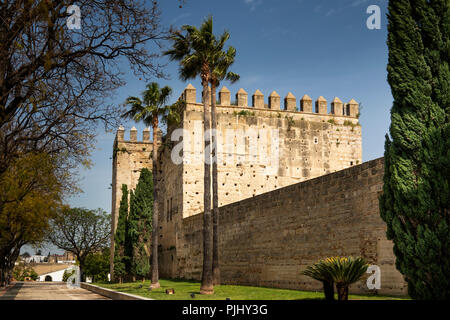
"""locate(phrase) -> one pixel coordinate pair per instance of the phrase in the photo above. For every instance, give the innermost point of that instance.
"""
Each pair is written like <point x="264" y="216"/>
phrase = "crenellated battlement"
<point x="305" y="105"/>
<point x="133" y="135"/>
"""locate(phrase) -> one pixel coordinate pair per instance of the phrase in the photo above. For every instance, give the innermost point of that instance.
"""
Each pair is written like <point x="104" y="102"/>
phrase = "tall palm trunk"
<point x="215" y="209"/>
<point x="207" y="286"/>
<point x="155" y="225"/>
<point x="328" y="289"/>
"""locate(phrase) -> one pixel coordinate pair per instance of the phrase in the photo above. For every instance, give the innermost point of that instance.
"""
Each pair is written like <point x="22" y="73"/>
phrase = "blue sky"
<point x="314" y="47"/>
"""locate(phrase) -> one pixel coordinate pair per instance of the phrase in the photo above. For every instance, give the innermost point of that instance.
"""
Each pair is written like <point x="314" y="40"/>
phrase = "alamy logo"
<point x="374" y="20"/>
<point x="73" y="281"/>
<point x="234" y="147"/>
<point x="74" y="20"/>
<point x="374" y="280"/>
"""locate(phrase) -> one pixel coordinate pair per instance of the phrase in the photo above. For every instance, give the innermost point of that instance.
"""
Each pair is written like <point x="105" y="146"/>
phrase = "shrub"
<point x="319" y="272"/>
<point x="342" y="271"/>
<point x="21" y="272"/>
<point x="244" y="113"/>
<point x="67" y="274"/>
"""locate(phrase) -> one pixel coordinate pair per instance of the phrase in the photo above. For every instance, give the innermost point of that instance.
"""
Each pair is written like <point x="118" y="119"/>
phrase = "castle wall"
<point x="129" y="157"/>
<point x="267" y="240"/>
<point x="284" y="203"/>
<point x="170" y="211"/>
<point x="251" y="161"/>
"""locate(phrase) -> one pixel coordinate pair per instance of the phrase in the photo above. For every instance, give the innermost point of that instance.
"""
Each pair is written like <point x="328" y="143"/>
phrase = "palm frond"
<point x="190" y="67"/>
<point x="221" y="63"/>
<point x="341" y="270"/>
<point x="232" y="77"/>
<point x="136" y="107"/>
<point x="180" y="46"/>
<point x="223" y="38"/>
<point x="164" y="95"/>
<point x="173" y="113"/>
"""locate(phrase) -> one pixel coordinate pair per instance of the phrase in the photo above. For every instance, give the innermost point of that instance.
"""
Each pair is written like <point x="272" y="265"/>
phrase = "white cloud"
<point x="180" y="17"/>
<point x="253" y="4"/>
<point x="330" y="12"/>
<point x="356" y="3"/>
<point x="251" y="80"/>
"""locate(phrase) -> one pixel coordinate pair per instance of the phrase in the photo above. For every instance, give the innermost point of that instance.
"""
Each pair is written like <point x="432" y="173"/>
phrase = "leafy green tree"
<point x="416" y="196"/>
<point x="97" y="265"/>
<point x="53" y="88"/>
<point x="80" y="231"/>
<point x="150" y="110"/>
<point x="32" y="274"/>
<point x="21" y="271"/>
<point x="195" y="50"/>
<point x="30" y="195"/>
<point x="120" y="259"/>
<point x="35" y="119"/>
<point x="140" y="224"/>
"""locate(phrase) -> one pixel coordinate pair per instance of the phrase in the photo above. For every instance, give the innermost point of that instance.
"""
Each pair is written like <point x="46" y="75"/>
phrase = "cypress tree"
<point x="131" y="236"/>
<point x="119" y="238"/>
<point x="140" y="224"/>
<point x="415" y="200"/>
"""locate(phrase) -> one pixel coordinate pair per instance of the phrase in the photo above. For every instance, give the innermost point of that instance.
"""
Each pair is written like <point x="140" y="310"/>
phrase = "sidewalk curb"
<point x="114" y="295"/>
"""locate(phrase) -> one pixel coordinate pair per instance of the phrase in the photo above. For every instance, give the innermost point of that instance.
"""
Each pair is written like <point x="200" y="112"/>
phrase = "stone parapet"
<point x="338" y="108"/>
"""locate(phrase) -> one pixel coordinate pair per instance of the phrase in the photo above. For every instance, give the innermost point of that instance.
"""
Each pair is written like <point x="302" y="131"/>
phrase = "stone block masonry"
<point x="310" y="144"/>
<point x="273" y="223"/>
<point x="129" y="157"/>
<point x="269" y="239"/>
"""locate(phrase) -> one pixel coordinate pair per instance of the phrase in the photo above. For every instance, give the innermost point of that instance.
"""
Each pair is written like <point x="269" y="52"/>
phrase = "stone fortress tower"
<point x="129" y="157"/>
<point x="292" y="190"/>
<point x="311" y="143"/>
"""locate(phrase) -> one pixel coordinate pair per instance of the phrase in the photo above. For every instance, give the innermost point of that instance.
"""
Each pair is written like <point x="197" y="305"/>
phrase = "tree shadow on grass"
<point x="309" y="299"/>
<point x="182" y="280"/>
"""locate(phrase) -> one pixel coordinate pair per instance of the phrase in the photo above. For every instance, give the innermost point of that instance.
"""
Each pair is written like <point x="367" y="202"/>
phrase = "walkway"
<point x="48" y="291"/>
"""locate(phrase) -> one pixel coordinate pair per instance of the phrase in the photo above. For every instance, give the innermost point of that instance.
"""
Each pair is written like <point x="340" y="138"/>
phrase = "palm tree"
<point x="149" y="110"/>
<point x="319" y="271"/>
<point x="195" y="51"/>
<point x="220" y="66"/>
<point x="344" y="272"/>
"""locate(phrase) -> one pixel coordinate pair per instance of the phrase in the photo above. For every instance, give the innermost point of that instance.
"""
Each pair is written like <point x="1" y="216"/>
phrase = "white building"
<point x="52" y="272"/>
<point x="35" y="259"/>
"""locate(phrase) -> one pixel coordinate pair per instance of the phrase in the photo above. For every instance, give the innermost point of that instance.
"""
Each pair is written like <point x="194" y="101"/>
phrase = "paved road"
<point x="48" y="291"/>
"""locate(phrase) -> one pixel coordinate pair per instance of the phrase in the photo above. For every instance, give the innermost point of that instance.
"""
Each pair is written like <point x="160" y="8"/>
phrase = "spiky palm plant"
<point x="320" y="272"/>
<point x="344" y="271"/>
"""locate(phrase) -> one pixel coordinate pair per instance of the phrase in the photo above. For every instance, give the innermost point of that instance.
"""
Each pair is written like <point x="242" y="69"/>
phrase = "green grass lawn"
<point x="184" y="289"/>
